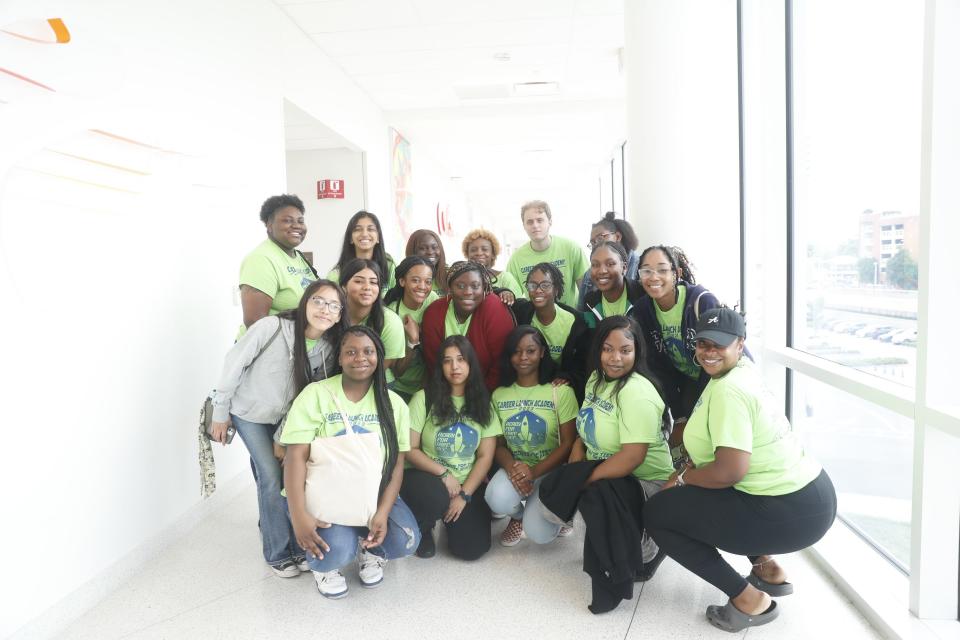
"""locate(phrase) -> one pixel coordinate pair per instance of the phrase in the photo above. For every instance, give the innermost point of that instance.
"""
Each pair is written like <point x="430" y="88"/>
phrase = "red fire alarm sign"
<point x="329" y="189"/>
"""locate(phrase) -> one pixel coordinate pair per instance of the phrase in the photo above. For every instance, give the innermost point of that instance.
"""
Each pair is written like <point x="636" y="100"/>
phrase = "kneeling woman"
<point x="539" y="427"/>
<point x="620" y="460"/>
<point x="751" y="490"/>
<point x="359" y="400"/>
<point x="453" y="432"/>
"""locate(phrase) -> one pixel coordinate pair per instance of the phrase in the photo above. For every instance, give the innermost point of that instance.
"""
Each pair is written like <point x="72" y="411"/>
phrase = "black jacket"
<point x="593" y="313"/>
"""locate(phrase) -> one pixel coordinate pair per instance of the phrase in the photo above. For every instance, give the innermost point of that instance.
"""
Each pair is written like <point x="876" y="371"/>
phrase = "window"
<point x="855" y="296"/>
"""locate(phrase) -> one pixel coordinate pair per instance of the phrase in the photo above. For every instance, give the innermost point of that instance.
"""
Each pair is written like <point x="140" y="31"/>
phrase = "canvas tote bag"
<point x="343" y="476"/>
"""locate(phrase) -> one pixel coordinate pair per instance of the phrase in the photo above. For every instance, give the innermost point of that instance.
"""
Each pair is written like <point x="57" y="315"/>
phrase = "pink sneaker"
<point x="512" y="534"/>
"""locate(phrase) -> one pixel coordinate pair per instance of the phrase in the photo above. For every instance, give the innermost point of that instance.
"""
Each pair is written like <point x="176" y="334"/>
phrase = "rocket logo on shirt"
<point x="357" y="428"/>
<point x="587" y="426"/>
<point x="524" y="430"/>
<point x="305" y="282"/>
<point x="456" y="441"/>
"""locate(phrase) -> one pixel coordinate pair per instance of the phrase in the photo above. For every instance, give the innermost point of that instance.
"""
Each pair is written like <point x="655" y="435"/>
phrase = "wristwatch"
<point x="680" y="481"/>
<point x="445" y="473"/>
<point x="466" y="496"/>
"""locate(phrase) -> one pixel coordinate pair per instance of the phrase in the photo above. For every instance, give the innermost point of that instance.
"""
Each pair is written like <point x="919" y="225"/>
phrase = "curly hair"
<point x="549" y="269"/>
<point x="678" y="261"/>
<point x="480" y="234"/>
<point x="273" y="204"/>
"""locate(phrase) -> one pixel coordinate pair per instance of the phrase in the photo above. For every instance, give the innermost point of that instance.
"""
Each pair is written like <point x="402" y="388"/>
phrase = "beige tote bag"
<point x="343" y="476"/>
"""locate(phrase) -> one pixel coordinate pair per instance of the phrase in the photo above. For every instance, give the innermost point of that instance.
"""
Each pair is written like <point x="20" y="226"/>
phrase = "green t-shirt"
<point x="737" y="411"/>
<point x="606" y="423"/>
<point x="310" y="344"/>
<point x="453" y="445"/>
<point x="564" y="254"/>
<point x="269" y="269"/>
<point x="531" y="425"/>
<point x="506" y="280"/>
<point x="334" y="274"/>
<point x="413" y="376"/>
<point x="392" y="335"/>
<point x="556" y="332"/>
<point x="618" y="308"/>
<point x="452" y="326"/>
<point x="672" y="332"/>
<point x="314" y="414"/>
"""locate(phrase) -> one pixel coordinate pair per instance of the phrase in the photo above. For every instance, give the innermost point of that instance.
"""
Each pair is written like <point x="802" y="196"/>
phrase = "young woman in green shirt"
<point x="750" y="489"/>
<point x="409" y="298"/>
<point x="318" y="413"/>
<point x="453" y="432"/>
<point x="615" y="294"/>
<point x="539" y="427"/>
<point x="362" y="280"/>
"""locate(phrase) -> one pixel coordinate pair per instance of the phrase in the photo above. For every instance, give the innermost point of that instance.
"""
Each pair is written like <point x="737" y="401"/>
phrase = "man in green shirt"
<point x="563" y="253"/>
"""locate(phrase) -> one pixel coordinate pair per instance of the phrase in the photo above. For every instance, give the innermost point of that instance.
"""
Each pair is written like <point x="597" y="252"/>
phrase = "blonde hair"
<point x="481" y="234"/>
<point x="536" y="204"/>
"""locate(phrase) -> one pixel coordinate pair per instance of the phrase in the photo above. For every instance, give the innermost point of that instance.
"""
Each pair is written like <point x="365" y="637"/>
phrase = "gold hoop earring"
<point x="696" y="362"/>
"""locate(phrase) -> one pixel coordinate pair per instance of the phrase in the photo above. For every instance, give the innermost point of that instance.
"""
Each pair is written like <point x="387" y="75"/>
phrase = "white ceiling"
<point x="303" y="131"/>
<point x="431" y="66"/>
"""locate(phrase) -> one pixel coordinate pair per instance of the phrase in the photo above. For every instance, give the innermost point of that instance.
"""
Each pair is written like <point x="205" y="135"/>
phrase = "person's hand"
<point x="521" y="476"/>
<point x="672" y="480"/>
<point x="305" y="530"/>
<point x="279" y="451"/>
<point x="455" y="509"/>
<point x="561" y="382"/>
<point x="452" y="484"/>
<point x="218" y="431"/>
<point x="378" y="530"/>
<point x="507" y="297"/>
<point x="578" y="453"/>
<point x="412" y="329"/>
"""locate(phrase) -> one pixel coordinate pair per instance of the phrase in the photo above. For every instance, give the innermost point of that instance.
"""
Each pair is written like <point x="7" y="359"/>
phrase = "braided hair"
<point x="678" y="261"/>
<point x="461" y="267"/>
<point x="384" y="404"/>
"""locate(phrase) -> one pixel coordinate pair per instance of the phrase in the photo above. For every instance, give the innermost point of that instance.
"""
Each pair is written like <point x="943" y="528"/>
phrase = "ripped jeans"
<point x="402" y="539"/>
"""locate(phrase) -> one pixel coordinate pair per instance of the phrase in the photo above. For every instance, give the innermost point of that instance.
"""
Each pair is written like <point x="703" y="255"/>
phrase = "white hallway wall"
<point x="118" y="281"/>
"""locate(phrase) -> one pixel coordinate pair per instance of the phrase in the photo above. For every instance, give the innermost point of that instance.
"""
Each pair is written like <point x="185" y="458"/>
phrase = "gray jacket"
<point x="262" y="393"/>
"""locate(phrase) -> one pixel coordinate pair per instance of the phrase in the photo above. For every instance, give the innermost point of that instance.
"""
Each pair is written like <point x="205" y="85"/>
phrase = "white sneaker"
<point x="331" y="584"/>
<point x="371" y="568"/>
<point x="286" y="569"/>
<point x="302" y="564"/>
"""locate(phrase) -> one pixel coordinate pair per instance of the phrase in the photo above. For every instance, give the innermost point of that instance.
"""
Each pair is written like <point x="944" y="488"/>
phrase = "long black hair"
<point x="302" y="373"/>
<point x="476" y="398"/>
<point x="348" y="252"/>
<point x="547" y="369"/>
<point x="352" y="268"/>
<point x="613" y="224"/>
<point x="630" y="327"/>
<point x="381" y="396"/>
<point x="395" y="293"/>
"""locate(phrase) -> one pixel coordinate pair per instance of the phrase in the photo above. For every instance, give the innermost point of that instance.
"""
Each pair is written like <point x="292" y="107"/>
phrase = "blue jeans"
<point x="503" y="498"/>
<point x="279" y="543"/>
<point x="402" y="539"/>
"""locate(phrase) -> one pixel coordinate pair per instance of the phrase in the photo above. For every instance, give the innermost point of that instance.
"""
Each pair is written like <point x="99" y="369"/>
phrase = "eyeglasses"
<point x="603" y="237"/>
<point x="649" y="273"/>
<point x="544" y="285"/>
<point x="331" y="306"/>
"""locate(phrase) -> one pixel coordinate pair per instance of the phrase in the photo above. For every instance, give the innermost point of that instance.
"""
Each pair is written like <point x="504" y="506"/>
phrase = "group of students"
<point x="615" y="387"/>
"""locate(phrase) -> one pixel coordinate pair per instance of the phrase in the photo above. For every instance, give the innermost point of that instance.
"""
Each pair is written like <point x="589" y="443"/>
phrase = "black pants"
<point x="691" y="523"/>
<point x="426" y="495"/>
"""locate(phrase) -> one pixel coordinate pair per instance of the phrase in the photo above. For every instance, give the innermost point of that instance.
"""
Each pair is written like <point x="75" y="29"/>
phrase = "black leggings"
<point x="426" y="495"/>
<point x="691" y="523"/>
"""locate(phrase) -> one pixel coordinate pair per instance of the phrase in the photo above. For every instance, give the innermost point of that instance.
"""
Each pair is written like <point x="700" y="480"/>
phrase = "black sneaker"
<point x="286" y="569"/>
<point x="650" y="568"/>
<point x="428" y="547"/>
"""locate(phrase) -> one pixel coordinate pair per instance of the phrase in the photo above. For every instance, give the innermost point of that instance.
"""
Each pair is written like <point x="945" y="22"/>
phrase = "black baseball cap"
<point x="721" y="325"/>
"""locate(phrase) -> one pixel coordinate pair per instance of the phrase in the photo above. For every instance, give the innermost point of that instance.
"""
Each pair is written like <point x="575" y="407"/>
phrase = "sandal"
<point x="729" y="618"/>
<point x="771" y="588"/>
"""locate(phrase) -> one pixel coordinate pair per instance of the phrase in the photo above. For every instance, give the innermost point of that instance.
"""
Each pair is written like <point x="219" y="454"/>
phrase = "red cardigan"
<point x="491" y="323"/>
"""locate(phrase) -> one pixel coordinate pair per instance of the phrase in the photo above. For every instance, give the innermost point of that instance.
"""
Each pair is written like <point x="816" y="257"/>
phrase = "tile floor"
<point x="213" y="584"/>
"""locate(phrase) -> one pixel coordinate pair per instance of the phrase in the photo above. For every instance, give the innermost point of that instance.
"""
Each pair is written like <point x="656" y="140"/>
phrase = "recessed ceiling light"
<point x="502" y="56"/>
<point x="536" y="88"/>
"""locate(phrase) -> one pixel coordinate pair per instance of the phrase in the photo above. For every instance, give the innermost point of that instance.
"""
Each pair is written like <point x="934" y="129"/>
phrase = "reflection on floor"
<point x="214" y="584"/>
